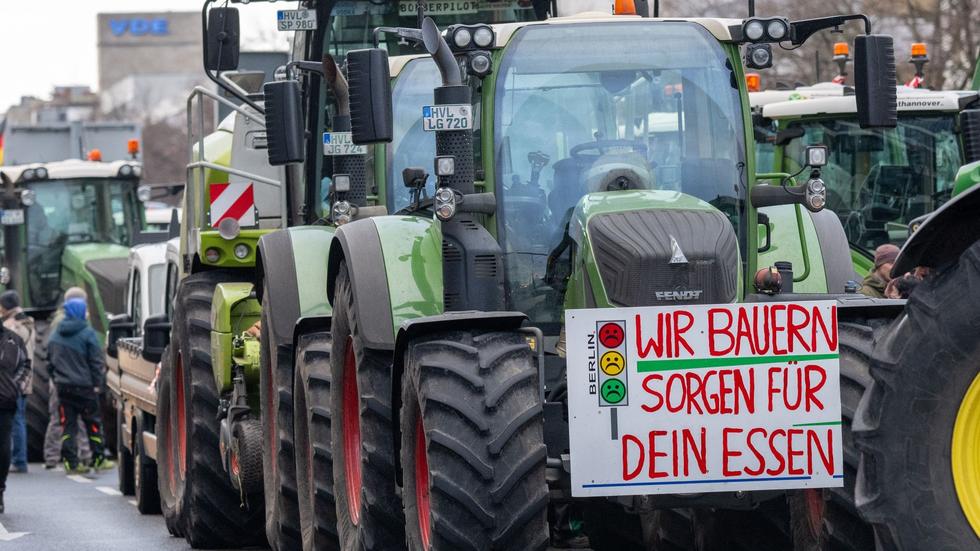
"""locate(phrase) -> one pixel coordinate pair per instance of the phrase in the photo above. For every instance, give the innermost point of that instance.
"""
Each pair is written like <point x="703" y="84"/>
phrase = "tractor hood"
<point x="101" y="269"/>
<point x="657" y="248"/>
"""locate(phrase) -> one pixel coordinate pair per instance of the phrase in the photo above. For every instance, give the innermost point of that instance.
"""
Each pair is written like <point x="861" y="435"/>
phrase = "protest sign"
<point x="703" y="398"/>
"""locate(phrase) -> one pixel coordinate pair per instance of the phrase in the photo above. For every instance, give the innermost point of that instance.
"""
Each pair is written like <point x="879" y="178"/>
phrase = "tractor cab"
<point x="70" y="219"/>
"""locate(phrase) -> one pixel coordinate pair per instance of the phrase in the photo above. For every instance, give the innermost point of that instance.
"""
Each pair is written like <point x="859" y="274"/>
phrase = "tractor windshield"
<point x="880" y="179"/>
<point x="84" y="210"/>
<point x="580" y="109"/>
<point x="411" y="146"/>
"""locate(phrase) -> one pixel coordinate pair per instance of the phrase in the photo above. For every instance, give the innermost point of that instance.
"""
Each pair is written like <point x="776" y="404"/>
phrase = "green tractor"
<point x="581" y="163"/>
<point x="66" y="223"/>
<point x="253" y="239"/>
<point x="881" y="182"/>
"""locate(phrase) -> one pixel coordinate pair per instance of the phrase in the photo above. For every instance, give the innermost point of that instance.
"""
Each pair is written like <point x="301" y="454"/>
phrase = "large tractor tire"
<point x="125" y="459"/>
<point x="212" y="510"/>
<point x="278" y="464"/>
<point x="472" y="444"/>
<point x="828" y="519"/>
<point x="168" y="445"/>
<point x="918" y="428"/>
<point x="145" y="486"/>
<point x="369" y="510"/>
<point x="314" y="454"/>
<point x="36" y="409"/>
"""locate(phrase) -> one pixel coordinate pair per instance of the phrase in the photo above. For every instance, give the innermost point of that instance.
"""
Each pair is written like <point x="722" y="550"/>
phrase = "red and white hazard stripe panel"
<point x="236" y="201"/>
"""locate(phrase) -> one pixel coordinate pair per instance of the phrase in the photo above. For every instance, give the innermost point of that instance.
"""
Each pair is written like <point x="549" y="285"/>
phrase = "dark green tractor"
<point x="574" y="160"/>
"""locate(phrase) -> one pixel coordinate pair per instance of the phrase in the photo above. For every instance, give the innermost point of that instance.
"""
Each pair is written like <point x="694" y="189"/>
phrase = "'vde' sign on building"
<point x="139" y="26"/>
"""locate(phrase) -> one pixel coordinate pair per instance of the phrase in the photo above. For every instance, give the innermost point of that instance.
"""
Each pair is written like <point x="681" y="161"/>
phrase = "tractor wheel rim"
<point x="352" y="434"/>
<point x="965" y="455"/>
<point x="814" y="510"/>
<point x="181" y="417"/>
<point x="422" y="502"/>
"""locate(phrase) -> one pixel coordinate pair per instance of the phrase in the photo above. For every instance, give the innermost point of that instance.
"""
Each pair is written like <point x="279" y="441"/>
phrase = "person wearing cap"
<point x="15" y="319"/>
<point x="78" y="371"/>
<point x="52" y="436"/>
<point x="875" y="283"/>
<point x="14" y="368"/>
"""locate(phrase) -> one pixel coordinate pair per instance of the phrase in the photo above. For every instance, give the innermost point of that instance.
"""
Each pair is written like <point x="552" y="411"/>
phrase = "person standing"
<point x="875" y="283"/>
<point x="52" y="436"/>
<point x="15" y="319"/>
<point x="14" y="368"/>
<point x="78" y="371"/>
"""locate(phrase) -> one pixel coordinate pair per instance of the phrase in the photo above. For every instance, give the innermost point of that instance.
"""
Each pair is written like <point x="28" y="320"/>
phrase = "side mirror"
<point x="370" y="96"/>
<point x="221" y="41"/>
<point x="120" y="327"/>
<point x="284" y="122"/>
<point x="970" y="129"/>
<point x="156" y="337"/>
<point x="875" y="81"/>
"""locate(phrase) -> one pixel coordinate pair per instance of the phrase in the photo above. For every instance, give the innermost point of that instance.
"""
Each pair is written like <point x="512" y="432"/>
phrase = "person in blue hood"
<point x="78" y="371"/>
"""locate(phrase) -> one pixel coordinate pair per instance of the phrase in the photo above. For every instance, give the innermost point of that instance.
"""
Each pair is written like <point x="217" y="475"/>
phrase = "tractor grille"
<point x="633" y="252"/>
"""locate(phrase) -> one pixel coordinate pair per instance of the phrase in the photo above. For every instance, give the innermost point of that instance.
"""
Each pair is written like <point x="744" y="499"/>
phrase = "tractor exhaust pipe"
<point x="353" y="166"/>
<point x="451" y="143"/>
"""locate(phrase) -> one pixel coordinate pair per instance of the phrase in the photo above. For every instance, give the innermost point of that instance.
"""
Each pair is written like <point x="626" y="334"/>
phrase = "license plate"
<point x="296" y="20"/>
<point x="341" y="143"/>
<point x="452" y="7"/>
<point x="12" y="217"/>
<point x="439" y="118"/>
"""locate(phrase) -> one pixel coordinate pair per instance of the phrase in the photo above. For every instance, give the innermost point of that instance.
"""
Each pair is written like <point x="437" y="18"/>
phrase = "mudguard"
<point x="290" y="266"/>
<point x="233" y="310"/>
<point x="941" y="239"/>
<point x="395" y="264"/>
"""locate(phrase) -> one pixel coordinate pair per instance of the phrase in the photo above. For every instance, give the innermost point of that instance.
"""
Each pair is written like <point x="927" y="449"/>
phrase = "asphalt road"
<point x="48" y="511"/>
<point x="55" y="512"/>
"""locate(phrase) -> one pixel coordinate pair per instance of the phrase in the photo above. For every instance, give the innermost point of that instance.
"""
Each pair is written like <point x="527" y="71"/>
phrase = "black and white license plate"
<point x="11" y="217"/>
<point x="341" y="143"/>
<point x="296" y="20"/>
<point x="440" y="118"/>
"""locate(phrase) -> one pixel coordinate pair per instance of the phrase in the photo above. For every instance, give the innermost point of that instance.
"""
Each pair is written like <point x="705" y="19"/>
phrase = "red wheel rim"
<point x="352" y="434"/>
<point x="814" y="510"/>
<point x="181" y="416"/>
<point x="422" y="485"/>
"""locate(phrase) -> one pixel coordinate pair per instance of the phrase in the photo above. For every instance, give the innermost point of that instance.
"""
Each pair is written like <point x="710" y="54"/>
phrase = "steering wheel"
<point x="599" y="146"/>
<point x="854" y="225"/>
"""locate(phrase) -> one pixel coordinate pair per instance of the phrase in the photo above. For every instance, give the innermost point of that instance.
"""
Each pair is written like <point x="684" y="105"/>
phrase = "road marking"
<point x="79" y="478"/>
<point x="133" y="503"/>
<point x="9" y="536"/>
<point x="108" y="491"/>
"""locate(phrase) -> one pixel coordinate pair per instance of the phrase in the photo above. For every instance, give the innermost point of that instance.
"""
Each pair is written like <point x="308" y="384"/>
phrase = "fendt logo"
<point x="678" y="295"/>
<point x="140" y="26"/>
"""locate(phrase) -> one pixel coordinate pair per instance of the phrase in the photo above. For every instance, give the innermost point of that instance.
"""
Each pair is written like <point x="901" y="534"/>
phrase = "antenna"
<point x="656" y="8"/>
<point x="422" y="6"/>
<point x="751" y="8"/>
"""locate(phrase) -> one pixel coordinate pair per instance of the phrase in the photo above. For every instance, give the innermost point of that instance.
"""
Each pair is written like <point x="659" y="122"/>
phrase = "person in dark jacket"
<point x="77" y="369"/>
<point x="18" y="321"/>
<point x="14" y="369"/>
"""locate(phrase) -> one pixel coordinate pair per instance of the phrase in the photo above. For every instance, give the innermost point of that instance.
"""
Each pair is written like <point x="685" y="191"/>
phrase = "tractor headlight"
<point x="445" y="165"/>
<point x="816" y="194"/>
<point x="483" y="37"/>
<point x="229" y="228"/>
<point x="125" y="171"/>
<point x="342" y="212"/>
<point x="462" y="38"/>
<point x="479" y="64"/>
<point x="27" y="174"/>
<point x="241" y="251"/>
<point x="28" y="197"/>
<point x="758" y="56"/>
<point x="341" y="183"/>
<point x="41" y="173"/>
<point x="777" y="29"/>
<point x="816" y="156"/>
<point x="753" y="29"/>
<point x="445" y="203"/>
<point x="143" y="193"/>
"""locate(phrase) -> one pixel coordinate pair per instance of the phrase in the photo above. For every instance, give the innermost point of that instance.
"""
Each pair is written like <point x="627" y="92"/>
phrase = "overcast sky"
<point x="44" y="43"/>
